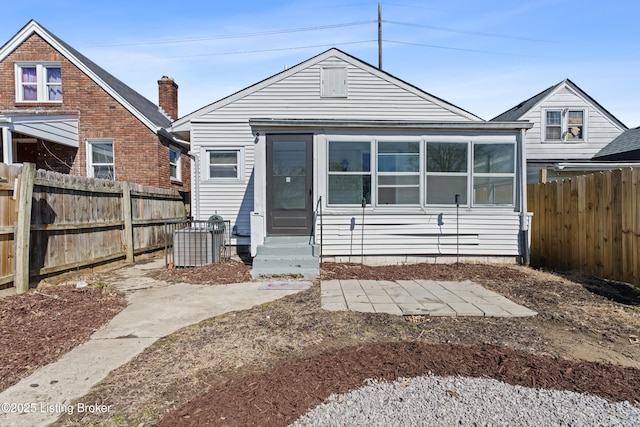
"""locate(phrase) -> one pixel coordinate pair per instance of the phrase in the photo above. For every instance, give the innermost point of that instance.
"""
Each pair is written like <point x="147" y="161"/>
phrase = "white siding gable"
<point x="599" y="129"/>
<point x="368" y="96"/>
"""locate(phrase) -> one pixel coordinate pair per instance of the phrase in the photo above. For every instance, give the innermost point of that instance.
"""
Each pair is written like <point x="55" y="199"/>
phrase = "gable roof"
<point x="183" y="122"/>
<point x="146" y="111"/>
<point x="517" y="112"/>
<point x="627" y="141"/>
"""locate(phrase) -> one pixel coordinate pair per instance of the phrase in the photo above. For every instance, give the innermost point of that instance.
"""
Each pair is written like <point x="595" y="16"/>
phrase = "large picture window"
<point x="38" y="82"/>
<point x="349" y="172"/>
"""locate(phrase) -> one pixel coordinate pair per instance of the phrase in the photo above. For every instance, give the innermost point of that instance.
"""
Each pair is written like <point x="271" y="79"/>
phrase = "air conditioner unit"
<point x="196" y="246"/>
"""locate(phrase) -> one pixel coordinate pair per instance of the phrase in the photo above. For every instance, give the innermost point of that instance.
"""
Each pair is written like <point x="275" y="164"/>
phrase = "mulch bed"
<point x="210" y="274"/>
<point x="39" y="326"/>
<point x="281" y="395"/>
<point x="484" y="272"/>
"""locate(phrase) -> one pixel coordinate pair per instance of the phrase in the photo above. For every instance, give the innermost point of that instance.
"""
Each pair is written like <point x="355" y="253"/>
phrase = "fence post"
<point x="128" y="220"/>
<point x="23" y="228"/>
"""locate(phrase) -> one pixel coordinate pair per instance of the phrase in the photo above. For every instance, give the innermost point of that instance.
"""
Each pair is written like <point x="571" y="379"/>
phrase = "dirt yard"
<point x="268" y="365"/>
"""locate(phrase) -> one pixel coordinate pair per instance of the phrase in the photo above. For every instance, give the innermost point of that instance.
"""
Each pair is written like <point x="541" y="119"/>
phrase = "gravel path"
<point x="448" y="401"/>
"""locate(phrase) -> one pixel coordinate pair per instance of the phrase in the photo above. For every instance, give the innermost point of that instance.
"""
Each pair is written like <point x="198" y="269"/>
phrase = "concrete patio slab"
<point x="418" y="297"/>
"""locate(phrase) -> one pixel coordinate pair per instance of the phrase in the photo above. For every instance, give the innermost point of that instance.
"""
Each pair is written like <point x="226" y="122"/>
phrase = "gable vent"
<point x="333" y="82"/>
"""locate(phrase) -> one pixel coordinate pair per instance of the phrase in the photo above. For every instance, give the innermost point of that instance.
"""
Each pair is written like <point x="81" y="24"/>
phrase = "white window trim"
<point x="466" y="174"/>
<point x="370" y="173"/>
<point x="41" y="82"/>
<point x="89" y="151"/>
<point x="473" y="175"/>
<point x="178" y="164"/>
<point x="375" y="186"/>
<point x="564" y="125"/>
<point x="241" y="164"/>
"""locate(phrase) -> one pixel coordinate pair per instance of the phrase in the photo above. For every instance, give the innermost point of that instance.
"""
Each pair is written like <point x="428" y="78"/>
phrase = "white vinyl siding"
<point x="299" y="97"/>
<point x="597" y="130"/>
<point x="231" y="199"/>
<point x="479" y="233"/>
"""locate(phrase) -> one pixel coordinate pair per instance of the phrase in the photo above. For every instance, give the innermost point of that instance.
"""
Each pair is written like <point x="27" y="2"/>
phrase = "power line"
<point x="473" y="33"/>
<point x="458" y="49"/>
<point x="241" y="35"/>
<point x="274" y="49"/>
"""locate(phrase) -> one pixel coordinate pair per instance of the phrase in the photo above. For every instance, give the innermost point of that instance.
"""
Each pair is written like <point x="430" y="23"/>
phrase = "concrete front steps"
<point x="286" y="256"/>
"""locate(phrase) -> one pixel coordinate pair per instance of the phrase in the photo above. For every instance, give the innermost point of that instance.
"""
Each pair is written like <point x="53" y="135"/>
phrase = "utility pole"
<point x="380" y="36"/>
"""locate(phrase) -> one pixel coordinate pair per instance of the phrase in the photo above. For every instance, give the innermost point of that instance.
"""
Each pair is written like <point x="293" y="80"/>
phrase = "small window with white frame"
<point x="100" y="159"/>
<point x="566" y="125"/>
<point x="224" y="163"/>
<point x="175" y="163"/>
<point x="38" y="82"/>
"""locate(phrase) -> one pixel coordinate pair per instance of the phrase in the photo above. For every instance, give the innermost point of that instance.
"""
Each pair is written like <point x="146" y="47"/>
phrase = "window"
<point x="100" y="163"/>
<point x="564" y="125"/>
<point x="575" y="122"/>
<point x="175" y="163"/>
<point x="333" y="82"/>
<point x="38" y="82"/>
<point x="553" y="126"/>
<point x="403" y="174"/>
<point x="398" y="173"/>
<point x="349" y="173"/>
<point x="493" y="174"/>
<point x="224" y="164"/>
<point x="447" y="165"/>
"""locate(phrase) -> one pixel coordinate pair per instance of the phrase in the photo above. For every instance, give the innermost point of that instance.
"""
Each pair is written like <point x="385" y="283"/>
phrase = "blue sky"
<point x="483" y="56"/>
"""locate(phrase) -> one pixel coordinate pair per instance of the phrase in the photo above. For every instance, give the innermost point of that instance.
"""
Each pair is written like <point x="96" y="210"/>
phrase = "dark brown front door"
<point x="289" y="184"/>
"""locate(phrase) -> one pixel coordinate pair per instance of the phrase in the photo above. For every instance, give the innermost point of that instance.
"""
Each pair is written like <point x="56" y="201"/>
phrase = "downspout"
<point x="524" y="215"/>
<point x="195" y="184"/>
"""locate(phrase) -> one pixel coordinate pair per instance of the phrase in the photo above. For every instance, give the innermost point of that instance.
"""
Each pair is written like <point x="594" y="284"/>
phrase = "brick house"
<point x="61" y="111"/>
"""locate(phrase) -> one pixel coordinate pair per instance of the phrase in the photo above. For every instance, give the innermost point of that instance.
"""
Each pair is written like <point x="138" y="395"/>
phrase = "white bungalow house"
<point x="360" y="162"/>
<point x="569" y="128"/>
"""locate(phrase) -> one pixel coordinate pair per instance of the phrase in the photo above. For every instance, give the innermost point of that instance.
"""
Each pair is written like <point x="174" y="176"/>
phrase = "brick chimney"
<point x="168" y="96"/>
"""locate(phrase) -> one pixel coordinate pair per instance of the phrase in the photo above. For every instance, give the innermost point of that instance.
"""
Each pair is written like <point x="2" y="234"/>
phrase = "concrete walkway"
<point x="156" y="309"/>
<point x="418" y="297"/>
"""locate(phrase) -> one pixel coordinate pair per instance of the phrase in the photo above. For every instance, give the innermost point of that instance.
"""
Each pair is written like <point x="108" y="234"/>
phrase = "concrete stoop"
<point x="286" y="256"/>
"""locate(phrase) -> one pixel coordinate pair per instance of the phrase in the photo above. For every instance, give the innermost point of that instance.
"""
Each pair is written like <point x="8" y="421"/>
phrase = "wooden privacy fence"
<point x="589" y="223"/>
<point x="51" y="222"/>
